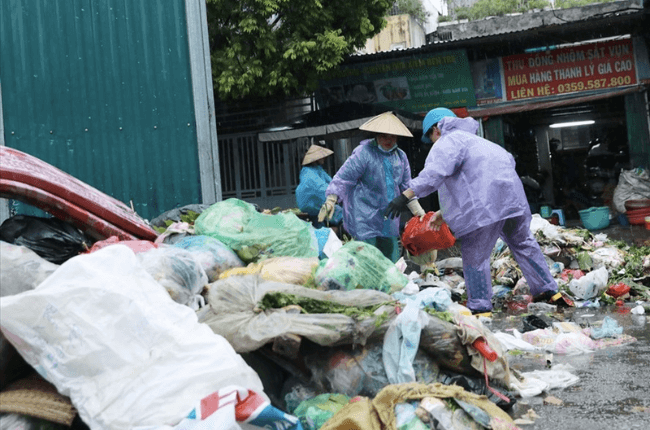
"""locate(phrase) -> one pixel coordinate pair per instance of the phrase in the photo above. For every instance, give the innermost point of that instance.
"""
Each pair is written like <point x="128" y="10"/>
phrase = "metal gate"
<point x="264" y="173"/>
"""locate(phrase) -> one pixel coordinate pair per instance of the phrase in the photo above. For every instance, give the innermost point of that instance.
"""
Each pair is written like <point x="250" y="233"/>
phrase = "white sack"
<point x="108" y="336"/>
<point x="21" y="269"/>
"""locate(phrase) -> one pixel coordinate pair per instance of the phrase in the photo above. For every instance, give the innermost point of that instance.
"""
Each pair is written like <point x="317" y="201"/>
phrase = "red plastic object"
<point x="95" y="227"/>
<point x="519" y="303"/>
<point x="618" y="290"/>
<point x="481" y="346"/>
<point x="40" y="184"/>
<point x="637" y="216"/>
<point x="135" y="245"/>
<point x="575" y="274"/>
<point x="419" y="237"/>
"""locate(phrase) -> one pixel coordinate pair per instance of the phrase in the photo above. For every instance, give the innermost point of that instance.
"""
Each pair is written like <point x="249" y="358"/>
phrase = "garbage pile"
<point x="240" y="318"/>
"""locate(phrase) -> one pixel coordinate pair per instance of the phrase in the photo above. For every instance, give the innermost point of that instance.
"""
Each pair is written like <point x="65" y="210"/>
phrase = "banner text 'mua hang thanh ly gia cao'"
<point x="588" y="67"/>
<point x="415" y="84"/>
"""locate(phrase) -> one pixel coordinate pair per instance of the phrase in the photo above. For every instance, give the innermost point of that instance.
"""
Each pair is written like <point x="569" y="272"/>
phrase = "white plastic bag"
<point x="555" y="378"/>
<point x="590" y="285"/>
<point x="105" y="333"/>
<point x="22" y="269"/>
<point x="177" y="271"/>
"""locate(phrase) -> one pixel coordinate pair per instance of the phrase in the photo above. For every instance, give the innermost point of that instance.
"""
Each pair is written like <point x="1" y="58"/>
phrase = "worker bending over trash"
<point x="310" y="193"/>
<point x="482" y="199"/>
<point x="374" y="174"/>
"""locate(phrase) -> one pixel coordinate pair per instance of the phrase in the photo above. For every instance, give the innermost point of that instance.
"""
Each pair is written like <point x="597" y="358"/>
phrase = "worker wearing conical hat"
<point x="376" y="172"/>
<point x="310" y="194"/>
<point x="482" y="199"/>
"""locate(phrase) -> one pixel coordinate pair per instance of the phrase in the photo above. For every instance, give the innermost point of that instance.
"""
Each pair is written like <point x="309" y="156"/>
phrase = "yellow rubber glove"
<point x="327" y="210"/>
<point x="415" y="208"/>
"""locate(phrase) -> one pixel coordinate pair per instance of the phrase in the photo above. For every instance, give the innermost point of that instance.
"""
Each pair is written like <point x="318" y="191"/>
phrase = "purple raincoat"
<point x="475" y="178"/>
<point x="368" y="180"/>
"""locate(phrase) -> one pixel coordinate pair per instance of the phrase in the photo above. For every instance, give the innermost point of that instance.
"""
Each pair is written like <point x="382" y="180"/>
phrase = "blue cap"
<point x="432" y="119"/>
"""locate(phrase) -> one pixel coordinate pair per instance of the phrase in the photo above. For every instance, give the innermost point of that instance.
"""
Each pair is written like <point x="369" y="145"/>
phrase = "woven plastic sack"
<point x="211" y="253"/>
<point x="106" y="335"/>
<point x="233" y="312"/>
<point x="359" y="265"/>
<point x="254" y="235"/>
<point x="419" y="237"/>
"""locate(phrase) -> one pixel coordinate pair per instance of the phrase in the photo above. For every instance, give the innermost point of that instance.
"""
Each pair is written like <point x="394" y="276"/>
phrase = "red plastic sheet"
<point x="419" y="237"/>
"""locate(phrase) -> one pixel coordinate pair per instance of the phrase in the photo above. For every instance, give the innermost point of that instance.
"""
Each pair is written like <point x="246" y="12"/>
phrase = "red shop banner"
<point x="593" y="66"/>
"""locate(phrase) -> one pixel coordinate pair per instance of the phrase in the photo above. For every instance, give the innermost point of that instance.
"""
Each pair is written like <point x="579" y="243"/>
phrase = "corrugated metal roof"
<point x="490" y="34"/>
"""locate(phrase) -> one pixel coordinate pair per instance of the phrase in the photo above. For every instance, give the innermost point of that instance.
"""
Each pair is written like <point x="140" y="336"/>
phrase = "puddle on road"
<point x="614" y="387"/>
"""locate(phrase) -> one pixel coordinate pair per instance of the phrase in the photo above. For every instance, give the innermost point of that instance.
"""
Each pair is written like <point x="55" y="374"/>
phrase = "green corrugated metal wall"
<point x="102" y="90"/>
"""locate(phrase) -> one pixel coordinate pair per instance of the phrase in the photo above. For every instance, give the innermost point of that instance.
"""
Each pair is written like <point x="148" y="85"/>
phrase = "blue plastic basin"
<point x="595" y="218"/>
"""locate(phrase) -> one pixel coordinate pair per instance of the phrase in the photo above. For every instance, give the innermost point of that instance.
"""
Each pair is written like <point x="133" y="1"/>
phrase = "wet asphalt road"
<point x="614" y="387"/>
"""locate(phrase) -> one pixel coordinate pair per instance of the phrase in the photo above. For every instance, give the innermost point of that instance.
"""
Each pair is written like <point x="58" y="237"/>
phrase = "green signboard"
<point x="412" y="84"/>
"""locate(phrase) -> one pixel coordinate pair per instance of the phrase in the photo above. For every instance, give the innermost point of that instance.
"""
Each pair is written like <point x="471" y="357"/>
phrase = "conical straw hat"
<point x="386" y="123"/>
<point x="314" y="153"/>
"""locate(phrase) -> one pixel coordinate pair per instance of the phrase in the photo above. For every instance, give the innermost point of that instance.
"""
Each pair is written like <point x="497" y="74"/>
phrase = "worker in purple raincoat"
<point x="375" y="173"/>
<point x="481" y="199"/>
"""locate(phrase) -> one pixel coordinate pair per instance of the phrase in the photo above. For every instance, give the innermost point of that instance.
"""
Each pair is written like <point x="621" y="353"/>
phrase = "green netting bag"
<point x="254" y="235"/>
<point x="359" y="265"/>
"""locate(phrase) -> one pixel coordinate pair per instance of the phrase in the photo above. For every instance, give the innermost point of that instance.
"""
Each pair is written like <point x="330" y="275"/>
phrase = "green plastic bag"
<point x="359" y="265"/>
<point x="254" y="235"/>
<point x="313" y="413"/>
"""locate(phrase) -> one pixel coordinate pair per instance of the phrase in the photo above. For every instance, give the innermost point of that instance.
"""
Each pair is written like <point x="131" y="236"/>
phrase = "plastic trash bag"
<point x="590" y="285"/>
<point x="313" y="413"/>
<point x="405" y="417"/>
<point x="361" y="371"/>
<point x="53" y="239"/>
<point x="609" y="328"/>
<point x="234" y="408"/>
<point x="22" y="269"/>
<point x="440" y="340"/>
<point x="177" y="271"/>
<point x="214" y="256"/>
<point x="555" y="378"/>
<point x="477" y="385"/>
<point x="135" y="245"/>
<point x="572" y="343"/>
<point x="359" y="265"/>
<point x="401" y="343"/>
<point x="106" y="335"/>
<point x="609" y="256"/>
<point x="234" y="313"/>
<point x="288" y="270"/>
<point x="254" y="235"/>
<point x="446" y="417"/>
<point x="419" y="237"/>
<point x="633" y="184"/>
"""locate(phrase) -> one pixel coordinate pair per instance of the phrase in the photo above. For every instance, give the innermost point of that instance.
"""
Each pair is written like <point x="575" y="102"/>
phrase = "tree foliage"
<point x="485" y="8"/>
<point x="413" y="8"/>
<point x="269" y="48"/>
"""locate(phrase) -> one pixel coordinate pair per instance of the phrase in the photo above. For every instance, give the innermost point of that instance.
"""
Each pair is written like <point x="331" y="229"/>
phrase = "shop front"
<point x="572" y="116"/>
